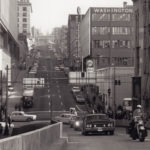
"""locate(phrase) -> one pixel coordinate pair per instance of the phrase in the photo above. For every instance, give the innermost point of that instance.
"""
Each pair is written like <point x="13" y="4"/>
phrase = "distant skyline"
<point x="48" y="14"/>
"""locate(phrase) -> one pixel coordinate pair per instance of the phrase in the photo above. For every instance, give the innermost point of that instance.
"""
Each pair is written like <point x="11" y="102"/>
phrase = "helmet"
<point x="139" y="106"/>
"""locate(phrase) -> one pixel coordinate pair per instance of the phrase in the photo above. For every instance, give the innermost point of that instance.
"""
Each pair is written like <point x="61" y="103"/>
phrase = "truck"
<point x="28" y="97"/>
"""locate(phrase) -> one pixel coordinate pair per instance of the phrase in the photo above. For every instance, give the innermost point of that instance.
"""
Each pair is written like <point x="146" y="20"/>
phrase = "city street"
<point x="119" y="141"/>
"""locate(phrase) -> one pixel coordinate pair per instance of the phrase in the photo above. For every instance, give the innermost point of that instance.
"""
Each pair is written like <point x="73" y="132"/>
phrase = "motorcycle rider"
<point x="137" y="112"/>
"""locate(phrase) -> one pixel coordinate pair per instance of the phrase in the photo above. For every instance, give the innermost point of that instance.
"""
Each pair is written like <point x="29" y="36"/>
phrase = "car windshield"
<point x="96" y="117"/>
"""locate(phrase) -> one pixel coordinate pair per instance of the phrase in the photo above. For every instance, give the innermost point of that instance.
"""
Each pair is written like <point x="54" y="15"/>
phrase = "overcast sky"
<point x="48" y="14"/>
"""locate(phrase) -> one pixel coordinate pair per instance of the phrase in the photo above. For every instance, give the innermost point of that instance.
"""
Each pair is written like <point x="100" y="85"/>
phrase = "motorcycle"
<point x="137" y="129"/>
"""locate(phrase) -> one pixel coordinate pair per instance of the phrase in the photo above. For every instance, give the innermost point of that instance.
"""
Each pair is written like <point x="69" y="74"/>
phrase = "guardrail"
<point x="34" y="140"/>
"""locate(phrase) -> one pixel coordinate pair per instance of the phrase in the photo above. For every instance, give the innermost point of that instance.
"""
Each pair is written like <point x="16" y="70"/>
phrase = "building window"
<point x="24" y="19"/>
<point x="101" y="44"/>
<point x="24" y="8"/>
<point x="121" y="44"/>
<point x="24" y="14"/>
<point x="24" y="25"/>
<point x="121" y="30"/>
<point x="121" y="17"/>
<point x="100" y="30"/>
<point x="101" y="17"/>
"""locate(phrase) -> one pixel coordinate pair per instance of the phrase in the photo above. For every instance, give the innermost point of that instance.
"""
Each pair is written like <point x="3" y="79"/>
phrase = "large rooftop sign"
<point x="112" y="10"/>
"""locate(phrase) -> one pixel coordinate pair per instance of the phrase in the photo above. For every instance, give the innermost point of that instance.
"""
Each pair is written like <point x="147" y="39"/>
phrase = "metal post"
<point x="1" y="92"/>
<point x="6" y="103"/>
<point x="114" y="92"/>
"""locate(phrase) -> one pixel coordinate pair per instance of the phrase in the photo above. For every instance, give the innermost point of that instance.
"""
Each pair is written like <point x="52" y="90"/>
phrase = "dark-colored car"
<point x="97" y="123"/>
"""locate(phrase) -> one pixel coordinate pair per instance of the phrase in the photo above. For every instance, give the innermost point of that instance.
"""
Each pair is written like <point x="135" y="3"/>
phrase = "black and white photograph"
<point x="74" y="74"/>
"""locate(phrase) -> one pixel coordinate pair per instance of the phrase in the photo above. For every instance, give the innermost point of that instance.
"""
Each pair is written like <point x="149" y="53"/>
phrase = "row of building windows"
<point x="118" y="61"/>
<point x="115" y="44"/>
<point x="23" y="14"/>
<point x="111" y="17"/>
<point x="24" y="20"/>
<point x="107" y="30"/>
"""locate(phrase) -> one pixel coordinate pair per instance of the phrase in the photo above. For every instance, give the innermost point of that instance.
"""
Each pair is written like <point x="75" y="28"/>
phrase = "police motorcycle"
<point x="137" y="129"/>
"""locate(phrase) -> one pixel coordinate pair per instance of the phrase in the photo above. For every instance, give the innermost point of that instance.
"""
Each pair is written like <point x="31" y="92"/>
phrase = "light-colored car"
<point x="10" y="88"/>
<point x="65" y="118"/>
<point x="75" y="89"/>
<point x="80" y="98"/>
<point x="22" y="116"/>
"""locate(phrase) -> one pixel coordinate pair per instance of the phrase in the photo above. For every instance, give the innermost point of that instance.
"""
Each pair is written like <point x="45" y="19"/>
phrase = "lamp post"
<point x="114" y="91"/>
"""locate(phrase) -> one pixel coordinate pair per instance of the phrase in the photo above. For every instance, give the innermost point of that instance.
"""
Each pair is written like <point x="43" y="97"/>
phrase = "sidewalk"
<point x="59" y="145"/>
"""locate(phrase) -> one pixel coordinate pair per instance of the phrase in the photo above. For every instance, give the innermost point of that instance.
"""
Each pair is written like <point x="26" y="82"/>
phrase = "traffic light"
<point x="82" y="74"/>
<point x="117" y="82"/>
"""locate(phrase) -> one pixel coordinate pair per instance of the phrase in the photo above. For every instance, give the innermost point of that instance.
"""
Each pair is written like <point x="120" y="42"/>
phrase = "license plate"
<point x="100" y="129"/>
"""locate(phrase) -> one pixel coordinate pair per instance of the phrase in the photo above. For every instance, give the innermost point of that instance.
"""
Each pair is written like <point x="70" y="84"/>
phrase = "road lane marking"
<point x="60" y="96"/>
<point x="61" y="103"/>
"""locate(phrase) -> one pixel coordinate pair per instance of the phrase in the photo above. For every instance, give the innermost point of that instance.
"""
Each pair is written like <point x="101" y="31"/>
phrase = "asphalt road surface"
<point x="119" y="141"/>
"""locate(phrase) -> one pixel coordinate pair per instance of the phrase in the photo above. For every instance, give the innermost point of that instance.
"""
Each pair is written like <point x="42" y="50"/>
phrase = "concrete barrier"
<point x="35" y="140"/>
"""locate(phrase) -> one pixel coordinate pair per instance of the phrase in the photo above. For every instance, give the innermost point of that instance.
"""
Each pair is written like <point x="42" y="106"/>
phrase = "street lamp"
<point x="114" y="91"/>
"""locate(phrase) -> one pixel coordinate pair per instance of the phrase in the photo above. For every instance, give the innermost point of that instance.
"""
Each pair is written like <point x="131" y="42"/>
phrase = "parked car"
<point x="22" y="116"/>
<point x="97" y="123"/>
<point x="65" y="117"/>
<point x="80" y="98"/>
<point x="75" y="89"/>
<point x="10" y="88"/>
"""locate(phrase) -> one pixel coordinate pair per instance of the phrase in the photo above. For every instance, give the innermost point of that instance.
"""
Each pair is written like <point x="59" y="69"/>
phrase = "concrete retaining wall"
<point x="35" y="140"/>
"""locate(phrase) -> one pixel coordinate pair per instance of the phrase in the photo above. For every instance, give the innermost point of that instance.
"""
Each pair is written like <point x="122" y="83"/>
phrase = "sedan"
<point x="65" y="118"/>
<point x="22" y="116"/>
<point x="80" y="98"/>
<point x="97" y="123"/>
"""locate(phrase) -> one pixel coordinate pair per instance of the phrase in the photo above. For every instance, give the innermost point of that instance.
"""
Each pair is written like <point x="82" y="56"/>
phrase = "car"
<point x="64" y="118"/>
<point x="57" y="68"/>
<point x="22" y="116"/>
<point x="77" y="124"/>
<point x="72" y="120"/>
<point x="97" y="123"/>
<point x="10" y="88"/>
<point x="75" y="89"/>
<point x="80" y="98"/>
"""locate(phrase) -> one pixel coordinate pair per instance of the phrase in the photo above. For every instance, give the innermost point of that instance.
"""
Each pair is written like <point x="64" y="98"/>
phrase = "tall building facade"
<point x="9" y="48"/>
<point x="63" y="41"/>
<point x="106" y="36"/>
<point x="24" y="11"/>
<point x="142" y="48"/>
<point x="73" y="37"/>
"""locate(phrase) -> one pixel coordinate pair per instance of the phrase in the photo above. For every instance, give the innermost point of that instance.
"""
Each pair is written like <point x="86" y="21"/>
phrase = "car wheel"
<point x="29" y="119"/>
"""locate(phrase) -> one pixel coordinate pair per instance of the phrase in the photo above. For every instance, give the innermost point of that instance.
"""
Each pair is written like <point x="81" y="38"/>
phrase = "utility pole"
<point x="1" y="94"/>
<point x="6" y="103"/>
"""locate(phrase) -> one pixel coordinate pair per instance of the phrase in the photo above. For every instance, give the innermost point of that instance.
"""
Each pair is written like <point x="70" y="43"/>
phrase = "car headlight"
<point x="77" y="123"/>
<point x="110" y="124"/>
<point x="88" y="125"/>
